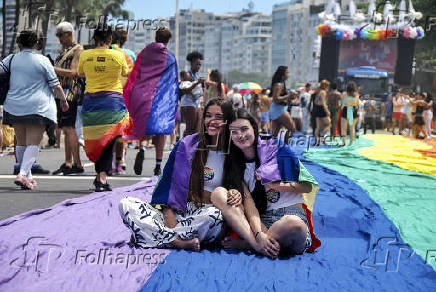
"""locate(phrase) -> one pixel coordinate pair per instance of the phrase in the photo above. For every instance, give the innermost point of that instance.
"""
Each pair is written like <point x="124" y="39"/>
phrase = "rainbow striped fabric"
<point x="105" y="117"/>
<point x="374" y="213"/>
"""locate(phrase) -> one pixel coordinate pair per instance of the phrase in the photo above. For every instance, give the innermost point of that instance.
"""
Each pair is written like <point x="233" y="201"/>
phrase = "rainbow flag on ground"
<point x="374" y="213"/>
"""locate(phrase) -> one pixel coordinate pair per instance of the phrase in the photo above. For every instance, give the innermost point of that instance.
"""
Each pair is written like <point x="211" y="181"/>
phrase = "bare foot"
<point x="191" y="244"/>
<point x="231" y="242"/>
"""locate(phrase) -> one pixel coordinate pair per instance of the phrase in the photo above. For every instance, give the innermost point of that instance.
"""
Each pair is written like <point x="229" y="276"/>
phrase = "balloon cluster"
<point x="367" y="33"/>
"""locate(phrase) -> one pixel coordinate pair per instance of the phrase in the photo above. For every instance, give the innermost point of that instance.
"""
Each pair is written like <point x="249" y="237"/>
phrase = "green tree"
<point x="4" y="28"/>
<point x="236" y="77"/>
<point x="14" y="36"/>
<point x="425" y="48"/>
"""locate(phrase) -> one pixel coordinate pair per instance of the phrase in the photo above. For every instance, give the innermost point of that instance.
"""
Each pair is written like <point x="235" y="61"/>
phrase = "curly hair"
<point x="191" y="57"/>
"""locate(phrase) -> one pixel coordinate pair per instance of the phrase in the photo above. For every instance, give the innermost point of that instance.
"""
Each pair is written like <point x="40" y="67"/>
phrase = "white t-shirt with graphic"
<point x="275" y="200"/>
<point x="213" y="170"/>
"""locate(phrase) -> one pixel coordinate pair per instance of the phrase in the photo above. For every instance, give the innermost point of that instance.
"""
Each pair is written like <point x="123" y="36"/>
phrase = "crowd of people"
<point x="105" y="98"/>
<point x="325" y="109"/>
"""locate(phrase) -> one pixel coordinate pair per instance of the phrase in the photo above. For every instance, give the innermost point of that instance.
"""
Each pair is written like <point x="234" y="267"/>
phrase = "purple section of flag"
<point x="80" y="244"/>
<point x="181" y="174"/>
<point x="153" y="60"/>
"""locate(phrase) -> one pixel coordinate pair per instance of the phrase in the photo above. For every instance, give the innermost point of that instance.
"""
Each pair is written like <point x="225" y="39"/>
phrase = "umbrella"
<point x="249" y="87"/>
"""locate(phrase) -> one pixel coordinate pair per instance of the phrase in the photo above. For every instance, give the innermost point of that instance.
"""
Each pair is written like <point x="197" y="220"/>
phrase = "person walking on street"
<point x="152" y="103"/>
<point x="66" y="68"/>
<point x="29" y="106"/>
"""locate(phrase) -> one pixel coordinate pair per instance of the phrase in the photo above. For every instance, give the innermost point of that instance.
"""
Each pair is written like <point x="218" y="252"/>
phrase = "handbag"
<point x="5" y="78"/>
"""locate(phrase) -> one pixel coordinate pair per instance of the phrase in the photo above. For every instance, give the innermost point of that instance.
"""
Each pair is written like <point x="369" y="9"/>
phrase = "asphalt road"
<point x="53" y="189"/>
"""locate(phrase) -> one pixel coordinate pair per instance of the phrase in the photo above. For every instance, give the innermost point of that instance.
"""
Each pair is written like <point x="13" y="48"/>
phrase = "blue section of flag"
<point x="362" y="250"/>
<point x="163" y="112"/>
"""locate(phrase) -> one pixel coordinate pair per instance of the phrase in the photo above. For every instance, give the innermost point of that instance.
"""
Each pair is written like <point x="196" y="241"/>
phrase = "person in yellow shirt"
<point x="265" y="102"/>
<point x="105" y="116"/>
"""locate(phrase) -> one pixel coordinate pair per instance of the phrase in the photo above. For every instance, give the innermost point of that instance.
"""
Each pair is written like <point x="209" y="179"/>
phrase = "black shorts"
<point x="34" y="119"/>
<point x="319" y="111"/>
<point x="355" y="114"/>
<point x="68" y="118"/>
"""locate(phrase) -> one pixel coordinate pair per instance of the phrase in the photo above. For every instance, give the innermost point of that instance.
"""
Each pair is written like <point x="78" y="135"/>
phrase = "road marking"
<point x="77" y="177"/>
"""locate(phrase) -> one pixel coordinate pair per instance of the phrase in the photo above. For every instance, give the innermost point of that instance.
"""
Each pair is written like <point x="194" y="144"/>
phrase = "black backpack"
<point x="4" y="82"/>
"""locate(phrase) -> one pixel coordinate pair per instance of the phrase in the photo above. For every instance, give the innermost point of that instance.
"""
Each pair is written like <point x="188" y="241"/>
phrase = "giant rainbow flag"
<point x="374" y="213"/>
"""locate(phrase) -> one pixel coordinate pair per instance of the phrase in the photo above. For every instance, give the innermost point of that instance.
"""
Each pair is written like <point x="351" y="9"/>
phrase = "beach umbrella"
<point x="249" y="87"/>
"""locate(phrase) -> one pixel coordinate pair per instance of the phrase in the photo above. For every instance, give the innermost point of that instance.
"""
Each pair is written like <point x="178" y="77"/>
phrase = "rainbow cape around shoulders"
<point x="279" y="163"/>
<point x="151" y="92"/>
<point x="173" y="185"/>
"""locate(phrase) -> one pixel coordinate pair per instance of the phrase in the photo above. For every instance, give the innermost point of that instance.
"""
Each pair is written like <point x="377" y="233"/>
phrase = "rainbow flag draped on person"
<point x="151" y="93"/>
<point x="277" y="162"/>
<point x="105" y="117"/>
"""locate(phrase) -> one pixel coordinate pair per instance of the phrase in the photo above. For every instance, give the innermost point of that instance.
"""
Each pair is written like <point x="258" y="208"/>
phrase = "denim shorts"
<point x="271" y="216"/>
<point x="264" y="117"/>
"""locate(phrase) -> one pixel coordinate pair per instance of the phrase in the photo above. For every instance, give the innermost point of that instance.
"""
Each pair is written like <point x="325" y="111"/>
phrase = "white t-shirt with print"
<point x="275" y="200"/>
<point x="213" y="170"/>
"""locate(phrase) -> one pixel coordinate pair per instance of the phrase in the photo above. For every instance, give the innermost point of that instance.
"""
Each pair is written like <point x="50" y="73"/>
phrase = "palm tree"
<point x="4" y="28"/>
<point x="17" y="17"/>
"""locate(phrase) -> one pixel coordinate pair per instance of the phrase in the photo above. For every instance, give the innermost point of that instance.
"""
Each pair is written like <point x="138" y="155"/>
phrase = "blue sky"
<point x="146" y="9"/>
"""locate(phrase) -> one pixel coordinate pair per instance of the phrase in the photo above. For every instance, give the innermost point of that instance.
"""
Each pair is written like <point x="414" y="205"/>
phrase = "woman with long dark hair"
<point x="180" y="214"/>
<point x="276" y="216"/>
<point x="105" y="116"/>
<point x="278" y="109"/>
<point x="214" y="86"/>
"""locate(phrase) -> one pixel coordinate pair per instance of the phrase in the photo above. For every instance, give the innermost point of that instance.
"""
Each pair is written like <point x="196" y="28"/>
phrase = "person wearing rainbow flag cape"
<point x="105" y="116"/>
<point x="152" y="94"/>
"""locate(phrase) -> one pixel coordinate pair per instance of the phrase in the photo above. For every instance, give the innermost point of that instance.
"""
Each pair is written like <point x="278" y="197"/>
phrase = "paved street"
<point x="54" y="189"/>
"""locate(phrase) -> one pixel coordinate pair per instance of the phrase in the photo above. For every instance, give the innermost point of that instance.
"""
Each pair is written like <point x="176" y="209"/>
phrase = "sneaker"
<point x="157" y="171"/>
<point x="119" y="169"/>
<point x="137" y="167"/>
<point x="60" y="170"/>
<point x="101" y="187"/>
<point x="73" y="170"/>
<point x="37" y="169"/>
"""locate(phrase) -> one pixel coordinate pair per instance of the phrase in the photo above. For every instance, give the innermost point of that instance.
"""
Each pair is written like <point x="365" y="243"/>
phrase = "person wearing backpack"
<point x="30" y="106"/>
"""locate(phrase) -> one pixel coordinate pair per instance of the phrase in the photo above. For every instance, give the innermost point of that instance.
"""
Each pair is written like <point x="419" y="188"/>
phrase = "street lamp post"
<point x="176" y="50"/>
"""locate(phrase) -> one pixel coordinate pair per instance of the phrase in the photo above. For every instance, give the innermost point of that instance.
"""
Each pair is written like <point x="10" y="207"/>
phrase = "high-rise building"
<point x="255" y="44"/>
<point x="139" y="38"/>
<point x="239" y="41"/>
<point x="294" y="40"/>
<point x="10" y="22"/>
<point x="192" y="25"/>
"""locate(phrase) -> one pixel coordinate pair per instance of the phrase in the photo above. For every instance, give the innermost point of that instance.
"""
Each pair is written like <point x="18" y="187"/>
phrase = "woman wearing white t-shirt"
<point x="276" y="214"/>
<point x="30" y="106"/>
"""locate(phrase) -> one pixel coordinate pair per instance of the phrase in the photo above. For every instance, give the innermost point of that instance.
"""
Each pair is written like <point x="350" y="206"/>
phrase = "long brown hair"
<point x="196" y="180"/>
<point x="215" y="76"/>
